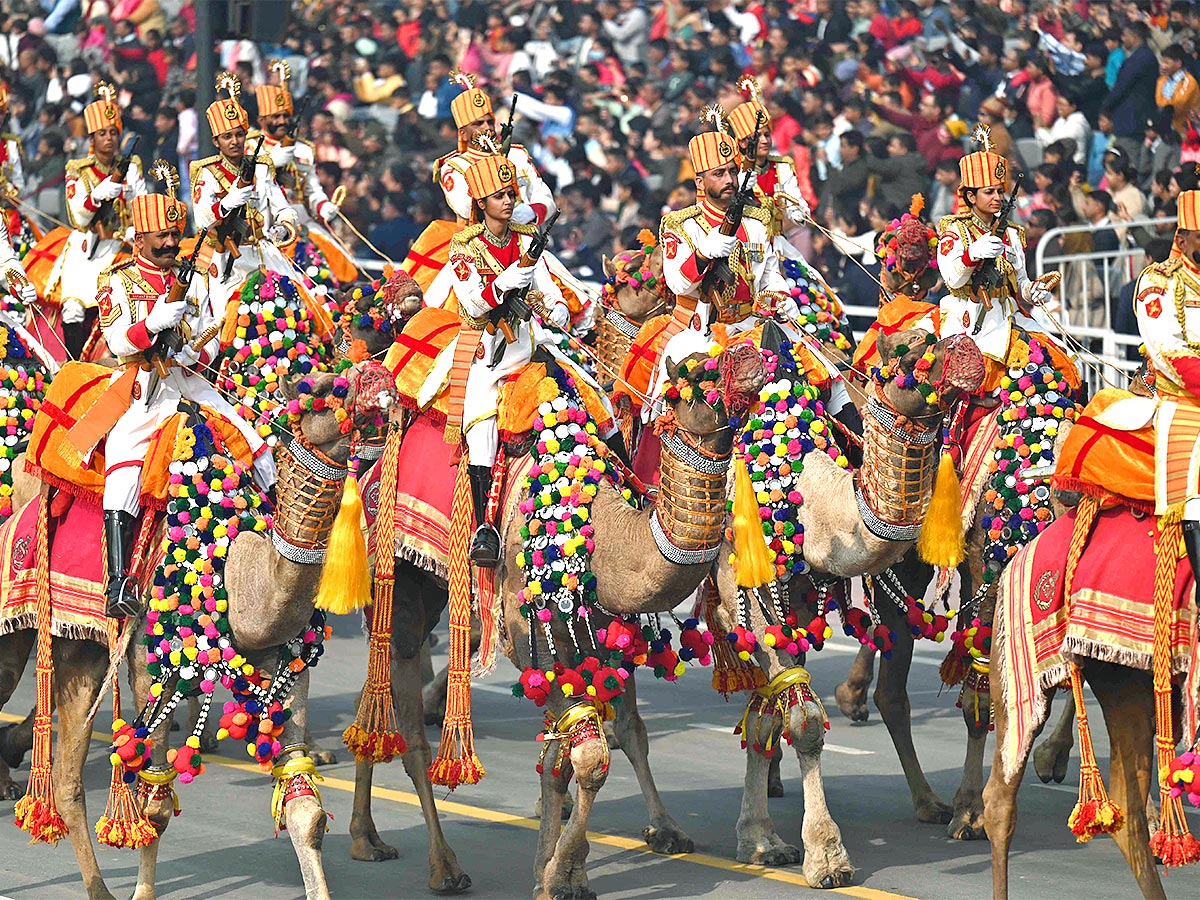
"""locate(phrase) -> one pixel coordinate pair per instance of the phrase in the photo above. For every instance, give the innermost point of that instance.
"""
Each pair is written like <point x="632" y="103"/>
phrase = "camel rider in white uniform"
<point x="12" y="172"/>
<point x="294" y="161"/>
<point x="98" y="199"/>
<point x="16" y="293"/>
<point x="485" y="264"/>
<point x="134" y="311"/>
<point x="218" y="199"/>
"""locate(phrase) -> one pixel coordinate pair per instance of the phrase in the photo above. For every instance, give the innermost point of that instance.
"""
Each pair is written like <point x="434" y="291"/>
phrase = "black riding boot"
<point x="121" y="596"/>
<point x="616" y="443"/>
<point x="485" y="544"/>
<point x="1191" y="540"/>
<point x="849" y="417"/>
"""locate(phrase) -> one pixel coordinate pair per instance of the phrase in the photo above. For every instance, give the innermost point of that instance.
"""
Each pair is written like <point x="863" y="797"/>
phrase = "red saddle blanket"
<point x="76" y="572"/>
<point x="1109" y="616"/>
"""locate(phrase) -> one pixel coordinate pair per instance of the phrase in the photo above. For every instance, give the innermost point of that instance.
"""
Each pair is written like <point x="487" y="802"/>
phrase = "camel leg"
<point x="305" y="820"/>
<point x="826" y="863"/>
<point x="433" y="694"/>
<point x="774" y="776"/>
<point x="15" y="739"/>
<point x="159" y="811"/>
<point x="663" y="834"/>
<point x="78" y="668"/>
<point x="891" y="697"/>
<point x="967" y="823"/>
<point x="1127" y="698"/>
<point x="551" y="803"/>
<point x="757" y="841"/>
<point x="1052" y="755"/>
<point x="1000" y="808"/>
<point x="565" y="873"/>
<point x="851" y="694"/>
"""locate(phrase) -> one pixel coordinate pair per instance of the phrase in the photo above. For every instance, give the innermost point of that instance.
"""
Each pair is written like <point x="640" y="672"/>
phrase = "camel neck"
<point x="895" y="481"/>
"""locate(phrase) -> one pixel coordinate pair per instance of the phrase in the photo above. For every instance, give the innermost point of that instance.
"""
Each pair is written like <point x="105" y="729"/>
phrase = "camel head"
<point x="709" y="390"/>
<point x="376" y="312"/>
<point x="925" y="376"/>
<point x="634" y="283"/>
<point x="334" y="412"/>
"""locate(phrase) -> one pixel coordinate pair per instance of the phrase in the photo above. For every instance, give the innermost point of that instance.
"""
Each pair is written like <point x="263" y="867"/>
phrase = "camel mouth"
<point x="963" y="367"/>
<point x="743" y="373"/>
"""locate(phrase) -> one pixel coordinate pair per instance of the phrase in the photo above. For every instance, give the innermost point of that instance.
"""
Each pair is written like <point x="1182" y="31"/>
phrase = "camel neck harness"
<point x="570" y="465"/>
<point x="309" y="488"/>
<point x="189" y="639"/>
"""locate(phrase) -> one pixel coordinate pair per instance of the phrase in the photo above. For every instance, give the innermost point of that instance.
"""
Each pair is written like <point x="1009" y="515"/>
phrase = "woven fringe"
<point x="374" y="735"/>
<point x="1094" y="813"/>
<point x="36" y="812"/>
<point x="123" y="824"/>
<point x="1173" y="843"/>
<point x="456" y="762"/>
<point x="730" y="673"/>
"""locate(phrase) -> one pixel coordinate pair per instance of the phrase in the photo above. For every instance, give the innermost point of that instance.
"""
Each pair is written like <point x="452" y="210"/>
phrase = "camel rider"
<point x="218" y="199"/>
<point x="98" y="199"/>
<point x="1167" y="305"/>
<point x="294" y="160"/>
<point x="776" y="185"/>
<point x="472" y="111"/>
<point x="132" y="299"/>
<point x="965" y="240"/>
<point x="485" y="261"/>
<point x="12" y="174"/>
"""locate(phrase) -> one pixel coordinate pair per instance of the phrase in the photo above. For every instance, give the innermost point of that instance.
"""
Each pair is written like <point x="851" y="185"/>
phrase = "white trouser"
<point x="78" y="273"/>
<point x="128" y="441"/>
<point x="483" y="392"/>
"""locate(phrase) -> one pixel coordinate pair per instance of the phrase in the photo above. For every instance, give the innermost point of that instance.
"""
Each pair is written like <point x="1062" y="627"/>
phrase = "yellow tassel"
<point x="942" y="542"/>
<point x="754" y="566"/>
<point x="346" y="580"/>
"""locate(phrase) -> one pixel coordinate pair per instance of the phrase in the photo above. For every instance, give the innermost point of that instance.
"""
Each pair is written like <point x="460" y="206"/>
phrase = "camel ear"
<point x="656" y="262"/>
<point x="609" y="268"/>
<point x="288" y="387"/>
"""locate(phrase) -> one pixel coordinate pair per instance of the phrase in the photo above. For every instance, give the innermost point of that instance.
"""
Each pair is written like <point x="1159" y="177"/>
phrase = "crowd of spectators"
<point x="874" y="100"/>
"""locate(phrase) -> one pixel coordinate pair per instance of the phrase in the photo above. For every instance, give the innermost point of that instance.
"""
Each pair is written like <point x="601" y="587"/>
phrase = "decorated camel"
<point x="270" y="579"/>
<point x="1070" y="611"/>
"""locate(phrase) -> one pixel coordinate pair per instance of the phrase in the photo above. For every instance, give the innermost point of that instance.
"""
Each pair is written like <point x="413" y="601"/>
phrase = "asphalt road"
<point x="222" y="844"/>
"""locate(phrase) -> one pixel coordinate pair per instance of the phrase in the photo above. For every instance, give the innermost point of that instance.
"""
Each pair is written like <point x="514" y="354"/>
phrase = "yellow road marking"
<point x="484" y="814"/>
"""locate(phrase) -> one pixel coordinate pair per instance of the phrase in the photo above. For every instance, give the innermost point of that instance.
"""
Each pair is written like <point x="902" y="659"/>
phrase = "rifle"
<point x="719" y="274"/>
<point x="293" y="128"/>
<point x="233" y="230"/>
<point x="987" y="280"/>
<point x="506" y="130"/>
<point x="515" y="307"/>
<point x="105" y="222"/>
<point x="171" y="340"/>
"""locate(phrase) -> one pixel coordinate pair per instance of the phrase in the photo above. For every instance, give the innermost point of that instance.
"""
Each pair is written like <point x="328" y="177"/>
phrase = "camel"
<point x="270" y="601"/>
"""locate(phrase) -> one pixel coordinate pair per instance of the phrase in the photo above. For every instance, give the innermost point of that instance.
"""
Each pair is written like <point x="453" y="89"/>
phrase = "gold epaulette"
<point x="261" y="160"/>
<point x="136" y="162"/>
<point x="1166" y="268"/>
<point x="674" y="219"/>
<point x="197" y="165"/>
<point x="468" y="234"/>
<point x="775" y="158"/>
<point x="945" y="222"/>
<point x="762" y="214"/>
<point x="527" y="230"/>
<point x="108" y="271"/>
<point x="1020" y="229"/>
<point x="75" y="167"/>
<point x="253" y="135"/>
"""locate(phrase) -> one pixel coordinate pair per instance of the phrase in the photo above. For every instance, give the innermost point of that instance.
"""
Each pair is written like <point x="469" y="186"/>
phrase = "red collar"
<point x="711" y="213"/>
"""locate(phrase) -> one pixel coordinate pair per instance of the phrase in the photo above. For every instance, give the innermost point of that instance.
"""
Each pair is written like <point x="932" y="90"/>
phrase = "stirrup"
<point x="485" y="547"/>
<point x="121" y="600"/>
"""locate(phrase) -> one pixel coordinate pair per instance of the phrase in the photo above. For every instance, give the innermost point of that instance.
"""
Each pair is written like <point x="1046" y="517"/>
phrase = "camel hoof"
<point x="852" y="702"/>
<point x="781" y="855"/>
<point x="323" y="757"/>
<point x="368" y="852"/>
<point x="965" y="831"/>
<point x="453" y="884"/>
<point x="934" y="812"/>
<point x="10" y="790"/>
<point x="836" y="880"/>
<point x="567" y="892"/>
<point x="667" y="838"/>
<point x="1051" y="762"/>
<point x="12" y="756"/>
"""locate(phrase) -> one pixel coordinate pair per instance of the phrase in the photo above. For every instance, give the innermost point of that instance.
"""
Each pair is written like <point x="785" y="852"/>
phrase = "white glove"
<point x="28" y="295"/>
<point x="107" y="190"/>
<point x="329" y="211"/>
<point x="560" y="316"/>
<point x="788" y="308"/>
<point x="165" y="315"/>
<point x="186" y="356"/>
<point x="280" y="234"/>
<point x="715" y="245"/>
<point x="987" y="247"/>
<point x="283" y="156"/>
<point x="72" y="312"/>
<point x="513" y="279"/>
<point x="798" y="212"/>
<point x="523" y="214"/>
<point x="236" y="198"/>
<point x="1035" y="294"/>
